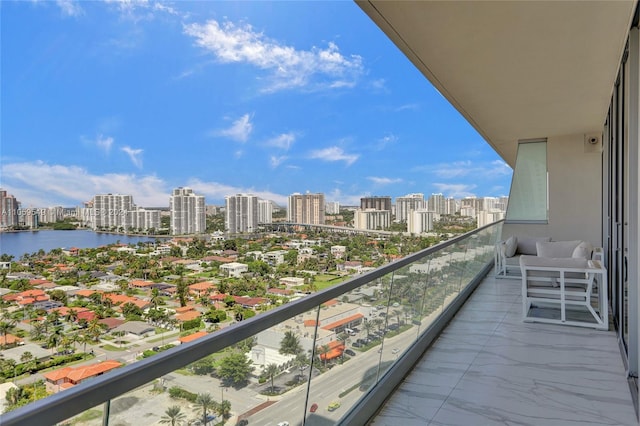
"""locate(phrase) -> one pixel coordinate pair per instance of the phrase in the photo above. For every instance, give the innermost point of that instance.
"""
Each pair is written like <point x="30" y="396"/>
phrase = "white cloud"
<point x="286" y="67"/>
<point x="239" y="130"/>
<point x="386" y="140"/>
<point x="334" y="153"/>
<point x="456" y="190"/>
<point x="70" y="7"/>
<point x="104" y="143"/>
<point x="137" y="10"/>
<point x="276" y="161"/>
<point x="379" y="85"/>
<point x="282" y="141"/>
<point x="383" y="180"/>
<point x="344" y="199"/>
<point x="407" y="107"/>
<point x="459" y="169"/>
<point x="135" y="155"/>
<point x="38" y="184"/>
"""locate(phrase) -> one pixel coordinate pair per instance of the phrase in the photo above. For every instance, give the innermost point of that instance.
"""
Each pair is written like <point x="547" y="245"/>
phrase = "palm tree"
<point x="94" y="329"/>
<point x="301" y="362"/>
<point x="72" y="315"/>
<point x="173" y="415"/>
<point x="155" y="298"/>
<point x="270" y="371"/>
<point x="324" y="350"/>
<point x="84" y="338"/>
<point x="28" y="358"/>
<point x="54" y="338"/>
<point x="37" y="331"/>
<point x="290" y="344"/>
<point x="6" y="325"/>
<point x="206" y="403"/>
<point x="224" y="409"/>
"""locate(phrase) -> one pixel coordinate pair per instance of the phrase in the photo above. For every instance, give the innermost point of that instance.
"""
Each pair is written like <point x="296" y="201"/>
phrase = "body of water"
<point x="19" y="243"/>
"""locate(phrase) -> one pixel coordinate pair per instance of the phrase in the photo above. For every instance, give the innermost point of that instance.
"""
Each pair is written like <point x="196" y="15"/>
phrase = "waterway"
<point x="19" y="243"/>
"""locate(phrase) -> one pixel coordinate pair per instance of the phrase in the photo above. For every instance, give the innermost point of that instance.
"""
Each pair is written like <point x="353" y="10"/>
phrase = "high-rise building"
<point x="51" y="214"/>
<point x="117" y="212"/>
<point x="241" y="213"/>
<point x="408" y="203"/>
<point x="143" y="220"/>
<point x="110" y="211"/>
<point x="486" y="217"/>
<point x="451" y="206"/>
<point x="10" y="207"/>
<point x="420" y="221"/>
<point x="332" y="207"/>
<point x="187" y="212"/>
<point x="376" y="203"/>
<point x="437" y="204"/>
<point x="372" y="219"/>
<point x="306" y="208"/>
<point x="265" y="211"/>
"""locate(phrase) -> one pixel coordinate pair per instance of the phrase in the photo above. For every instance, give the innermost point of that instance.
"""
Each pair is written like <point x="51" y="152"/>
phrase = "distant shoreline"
<point x="126" y="234"/>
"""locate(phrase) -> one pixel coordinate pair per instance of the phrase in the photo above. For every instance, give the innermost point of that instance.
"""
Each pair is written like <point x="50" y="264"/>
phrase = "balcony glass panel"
<point x="309" y="361"/>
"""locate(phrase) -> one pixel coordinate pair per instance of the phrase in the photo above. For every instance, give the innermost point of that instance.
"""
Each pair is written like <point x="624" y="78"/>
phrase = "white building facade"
<point x="187" y="212"/>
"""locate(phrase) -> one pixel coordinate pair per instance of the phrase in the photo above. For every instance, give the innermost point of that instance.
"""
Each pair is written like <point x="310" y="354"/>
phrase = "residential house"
<point x="66" y="377"/>
<point x="234" y="269"/>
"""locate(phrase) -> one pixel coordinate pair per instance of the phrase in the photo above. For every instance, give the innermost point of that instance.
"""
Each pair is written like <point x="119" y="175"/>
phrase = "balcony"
<point x="367" y="338"/>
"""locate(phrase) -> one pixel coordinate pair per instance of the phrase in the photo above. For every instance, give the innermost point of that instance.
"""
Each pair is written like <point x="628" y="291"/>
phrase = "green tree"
<point x="290" y="344"/>
<point x="224" y="409"/>
<point x="270" y="372"/>
<point x="235" y="369"/>
<point x="322" y="352"/>
<point x="156" y="299"/>
<point x="206" y="403"/>
<point x="216" y="315"/>
<point x="37" y="331"/>
<point x="58" y="296"/>
<point x="301" y="362"/>
<point x="173" y="415"/>
<point x="131" y="311"/>
<point x="7" y="323"/>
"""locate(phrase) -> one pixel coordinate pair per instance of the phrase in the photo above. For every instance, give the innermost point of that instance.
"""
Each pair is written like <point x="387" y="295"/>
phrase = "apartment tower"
<point x="241" y="213"/>
<point x="306" y="208"/>
<point x="187" y="212"/>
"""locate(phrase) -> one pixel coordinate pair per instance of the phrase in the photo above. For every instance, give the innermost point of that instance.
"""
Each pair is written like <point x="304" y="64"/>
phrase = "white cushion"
<point x="556" y="248"/>
<point x="510" y="246"/>
<point x="527" y="245"/>
<point x="583" y="250"/>
<point x="553" y="263"/>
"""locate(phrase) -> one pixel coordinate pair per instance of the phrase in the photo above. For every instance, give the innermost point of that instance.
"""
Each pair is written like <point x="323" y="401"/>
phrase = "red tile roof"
<point x="192" y="337"/>
<point x="342" y="321"/>
<point x="77" y="374"/>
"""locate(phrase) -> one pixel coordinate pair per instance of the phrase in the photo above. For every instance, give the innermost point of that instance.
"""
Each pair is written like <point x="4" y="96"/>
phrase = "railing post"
<point x="105" y="413"/>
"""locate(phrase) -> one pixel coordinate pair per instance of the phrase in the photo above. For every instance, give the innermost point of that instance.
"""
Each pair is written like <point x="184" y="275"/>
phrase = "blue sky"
<point x="268" y="98"/>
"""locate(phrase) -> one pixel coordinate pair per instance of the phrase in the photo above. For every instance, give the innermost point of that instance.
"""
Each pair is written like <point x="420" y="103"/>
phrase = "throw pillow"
<point x="556" y="249"/>
<point x="583" y="250"/>
<point x="527" y="245"/>
<point x="510" y="246"/>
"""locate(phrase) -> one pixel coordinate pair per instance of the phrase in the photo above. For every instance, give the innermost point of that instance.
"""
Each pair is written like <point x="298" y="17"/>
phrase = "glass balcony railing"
<point x="330" y="357"/>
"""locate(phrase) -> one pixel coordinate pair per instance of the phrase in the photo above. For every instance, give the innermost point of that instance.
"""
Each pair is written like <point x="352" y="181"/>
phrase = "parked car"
<point x="313" y="408"/>
<point x="395" y="350"/>
<point x="283" y="424"/>
<point x="349" y="352"/>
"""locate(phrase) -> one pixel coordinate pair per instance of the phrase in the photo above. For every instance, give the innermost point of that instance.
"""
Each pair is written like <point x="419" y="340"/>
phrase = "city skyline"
<point x="225" y="98"/>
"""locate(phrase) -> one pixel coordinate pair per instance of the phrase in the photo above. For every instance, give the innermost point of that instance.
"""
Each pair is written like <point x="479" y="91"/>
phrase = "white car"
<point x="283" y="424"/>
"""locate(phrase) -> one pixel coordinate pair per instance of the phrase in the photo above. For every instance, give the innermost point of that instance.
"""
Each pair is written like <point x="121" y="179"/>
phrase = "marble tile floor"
<point x="489" y="367"/>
